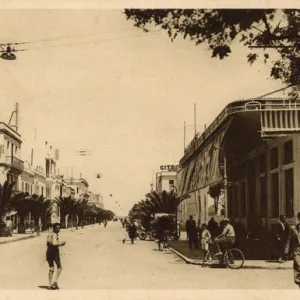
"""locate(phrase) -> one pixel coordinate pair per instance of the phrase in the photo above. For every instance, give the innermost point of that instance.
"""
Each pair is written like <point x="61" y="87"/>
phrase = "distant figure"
<point x="293" y="246"/>
<point x="52" y="255"/>
<point x="131" y="229"/>
<point x="32" y="226"/>
<point x="283" y="229"/>
<point x="213" y="227"/>
<point x="191" y="232"/>
<point x="105" y="223"/>
<point x="9" y="226"/>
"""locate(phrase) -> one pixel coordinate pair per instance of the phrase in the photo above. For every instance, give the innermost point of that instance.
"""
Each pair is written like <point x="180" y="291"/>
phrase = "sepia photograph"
<point x="150" y="149"/>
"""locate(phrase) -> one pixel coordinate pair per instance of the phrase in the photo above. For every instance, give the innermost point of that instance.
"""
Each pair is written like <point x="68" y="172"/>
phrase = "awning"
<point x="204" y="168"/>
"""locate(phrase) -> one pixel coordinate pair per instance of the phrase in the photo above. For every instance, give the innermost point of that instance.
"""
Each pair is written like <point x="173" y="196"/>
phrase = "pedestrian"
<point x="205" y="239"/>
<point x="293" y="246"/>
<point x="191" y="232"/>
<point x="132" y="231"/>
<point x="213" y="227"/>
<point x="160" y="235"/>
<point x="9" y="226"/>
<point x="32" y="226"/>
<point x="283" y="229"/>
<point x="37" y="228"/>
<point x="52" y="255"/>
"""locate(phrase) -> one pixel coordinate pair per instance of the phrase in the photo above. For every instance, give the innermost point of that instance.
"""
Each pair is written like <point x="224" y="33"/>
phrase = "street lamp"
<point x="225" y="179"/>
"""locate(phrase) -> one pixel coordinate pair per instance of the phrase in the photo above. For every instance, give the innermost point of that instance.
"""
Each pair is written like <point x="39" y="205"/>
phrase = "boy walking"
<point x="52" y="255"/>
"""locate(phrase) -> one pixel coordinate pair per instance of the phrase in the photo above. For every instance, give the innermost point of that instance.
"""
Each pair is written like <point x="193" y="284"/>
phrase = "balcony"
<point x="51" y="177"/>
<point x="15" y="163"/>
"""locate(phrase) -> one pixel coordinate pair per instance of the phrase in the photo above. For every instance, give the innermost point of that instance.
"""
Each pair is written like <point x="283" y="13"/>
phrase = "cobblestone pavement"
<point x="95" y="258"/>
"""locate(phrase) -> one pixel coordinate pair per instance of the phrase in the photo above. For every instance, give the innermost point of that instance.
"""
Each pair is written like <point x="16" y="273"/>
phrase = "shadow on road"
<point x="45" y="287"/>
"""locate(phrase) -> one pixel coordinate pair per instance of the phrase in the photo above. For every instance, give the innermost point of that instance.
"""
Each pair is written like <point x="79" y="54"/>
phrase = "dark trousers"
<point x="296" y="266"/>
<point x="193" y="240"/>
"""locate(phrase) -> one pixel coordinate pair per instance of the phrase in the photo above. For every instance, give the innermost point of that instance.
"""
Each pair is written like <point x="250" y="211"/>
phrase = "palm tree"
<point x="6" y="194"/>
<point x="165" y="202"/>
<point x="40" y="208"/>
<point x="21" y="202"/>
<point x="67" y="206"/>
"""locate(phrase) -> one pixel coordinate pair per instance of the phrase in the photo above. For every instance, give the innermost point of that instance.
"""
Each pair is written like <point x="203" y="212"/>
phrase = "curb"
<point x="200" y="262"/>
<point x="186" y="259"/>
<point x="19" y="239"/>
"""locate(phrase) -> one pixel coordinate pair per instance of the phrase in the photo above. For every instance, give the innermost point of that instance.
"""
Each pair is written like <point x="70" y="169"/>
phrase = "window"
<point x="42" y="190"/>
<point x="275" y="195"/>
<point x="7" y="144"/>
<point x="22" y="186"/>
<point x="171" y="182"/>
<point x="31" y="189"/>
<point x="274" y="158"/>
<point x="262" y="163"/>
<point x="263" y="196"/>
<point x="16" y="149"/>
<point x="288" y="152"/>
<point x="289" y="193"/>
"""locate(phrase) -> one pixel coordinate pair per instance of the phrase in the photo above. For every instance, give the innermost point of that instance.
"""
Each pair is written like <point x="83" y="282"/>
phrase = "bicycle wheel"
<point x="234" y="258"/>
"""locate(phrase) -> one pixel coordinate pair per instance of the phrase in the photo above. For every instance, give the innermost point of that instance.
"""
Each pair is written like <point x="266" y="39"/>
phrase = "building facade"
<point x="165" y="181"/>
<point x="252" y="148"/>
<point x="11" y="165"/>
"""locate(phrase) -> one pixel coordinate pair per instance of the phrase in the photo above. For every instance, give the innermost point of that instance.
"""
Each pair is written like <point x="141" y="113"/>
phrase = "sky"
<point x="92" y="81"/>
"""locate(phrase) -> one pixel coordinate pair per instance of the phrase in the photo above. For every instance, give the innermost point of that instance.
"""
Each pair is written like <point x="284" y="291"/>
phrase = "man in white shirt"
<point x="226" y="237"/>
<point x="52" y="255"/>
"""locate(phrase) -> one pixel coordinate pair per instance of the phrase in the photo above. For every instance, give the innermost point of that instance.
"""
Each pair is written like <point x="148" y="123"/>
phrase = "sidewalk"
<point x="196" y="256"/>
<point x="16" y="237"/>
<point x="29" y="234"/>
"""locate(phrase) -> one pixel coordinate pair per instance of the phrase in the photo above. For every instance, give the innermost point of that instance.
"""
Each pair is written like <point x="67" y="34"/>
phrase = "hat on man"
<point x="226" y="220"/>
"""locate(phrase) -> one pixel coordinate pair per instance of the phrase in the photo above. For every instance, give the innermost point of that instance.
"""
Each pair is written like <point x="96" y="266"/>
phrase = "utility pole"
<point x="184" y="137"/>
<point x="195" y="122"/>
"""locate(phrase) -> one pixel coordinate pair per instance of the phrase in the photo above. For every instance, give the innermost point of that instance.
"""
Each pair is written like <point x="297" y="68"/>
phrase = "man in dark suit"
<point x="283" y="229"/>
<point x="191" y="231"/>
<point x="293" y="246"/>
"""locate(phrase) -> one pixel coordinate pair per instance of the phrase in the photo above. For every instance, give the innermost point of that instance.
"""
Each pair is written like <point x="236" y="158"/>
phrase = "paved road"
<point x="95" y="258"/>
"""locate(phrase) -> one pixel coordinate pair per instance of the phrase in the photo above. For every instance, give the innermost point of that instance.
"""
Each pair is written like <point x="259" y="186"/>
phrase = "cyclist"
<point x="226" y="237"/>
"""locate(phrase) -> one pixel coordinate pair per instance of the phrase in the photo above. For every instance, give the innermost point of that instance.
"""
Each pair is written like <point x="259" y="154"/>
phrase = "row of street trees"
<point x="78" y="211"/>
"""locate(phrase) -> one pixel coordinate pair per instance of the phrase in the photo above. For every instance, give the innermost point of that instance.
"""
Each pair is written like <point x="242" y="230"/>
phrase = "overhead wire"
<point x="150" y="33"/>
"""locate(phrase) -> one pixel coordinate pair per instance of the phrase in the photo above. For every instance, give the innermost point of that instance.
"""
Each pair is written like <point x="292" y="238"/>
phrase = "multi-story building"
<point x="80" y="186"/>
<point x="11" y="165"/>
<point x="252" y="147"/>
<point x="166" y="180"/>
<point x="96" y="198"/>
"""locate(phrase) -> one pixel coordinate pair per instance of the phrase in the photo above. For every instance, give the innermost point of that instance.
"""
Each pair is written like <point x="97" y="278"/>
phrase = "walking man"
<point x="293" y="246"/>
<point x="283" y="229"/>
<point x="191" y="232"/>
<point x="52" y="255"/>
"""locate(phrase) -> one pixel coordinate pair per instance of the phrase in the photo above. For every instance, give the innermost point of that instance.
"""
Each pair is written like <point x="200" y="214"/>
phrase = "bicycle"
<point x="233" y="257"/>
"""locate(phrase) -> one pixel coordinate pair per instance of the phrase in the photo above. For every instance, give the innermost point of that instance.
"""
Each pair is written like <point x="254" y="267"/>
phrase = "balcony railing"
<point x="260" y="105"/>
<point x="50" y="176"/>
<point x="15" y="162"/>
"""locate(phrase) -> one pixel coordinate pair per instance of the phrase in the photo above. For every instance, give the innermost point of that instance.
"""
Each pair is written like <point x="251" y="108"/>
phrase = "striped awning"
<point x="204" y="168"/>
